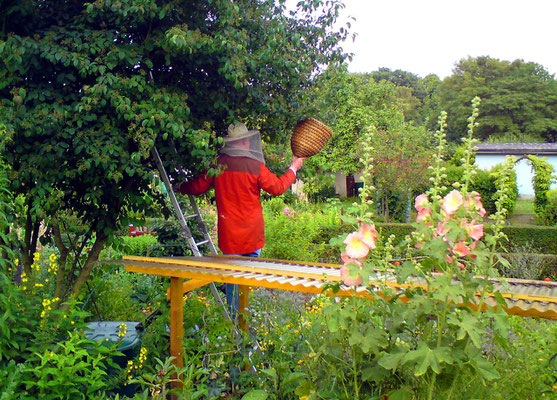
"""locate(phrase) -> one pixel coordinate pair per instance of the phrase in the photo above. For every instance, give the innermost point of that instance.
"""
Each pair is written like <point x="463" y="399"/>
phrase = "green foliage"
<point x="42" y="351"/>
<point x="549" y="213"/>
<point x="289" y="230"/>
<point x="484" y="182"/>
<point x="542" y="180"/>
<point x="350" y="104"/>
<point x="141" y="245"/>
<point x="123" y="296"/>
<point x="519" y="98"/>
<point x="73" y="369"/>
<point x="400" y="160"/>
<point x="421" y="340"/>
<point x="97" y="85"/>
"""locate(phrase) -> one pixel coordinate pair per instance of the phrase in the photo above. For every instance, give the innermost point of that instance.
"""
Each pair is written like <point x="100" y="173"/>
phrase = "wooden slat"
<point x="200" y="262"/>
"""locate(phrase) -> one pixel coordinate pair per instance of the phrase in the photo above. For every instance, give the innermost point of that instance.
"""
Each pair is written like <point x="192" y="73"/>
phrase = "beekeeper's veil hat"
<point x="242" y="142"/>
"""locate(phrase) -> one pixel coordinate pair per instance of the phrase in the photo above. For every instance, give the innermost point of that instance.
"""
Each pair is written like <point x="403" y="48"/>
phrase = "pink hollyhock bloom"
<point x="286" y="210"/>
<point x="421" y="202"/>
<point x="475" y="231"/>
<point x="423" y="215"/>
<point x="355" y="246"/>
<point x="347" y="279"/>
<point x="473" y="201"/>
<point x="346" y="259"/>
<point x="369" y="235"/>
<point x="441" y="229"/>
<point x="452" y="202"/>
<point x="460" y="249"/>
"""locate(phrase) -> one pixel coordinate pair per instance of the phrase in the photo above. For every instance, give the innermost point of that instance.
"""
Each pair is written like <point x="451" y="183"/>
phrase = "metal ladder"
<point x="185" y="232"/>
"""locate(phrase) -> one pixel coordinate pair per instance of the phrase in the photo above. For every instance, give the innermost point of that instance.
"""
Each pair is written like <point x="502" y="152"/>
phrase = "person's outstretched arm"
<point x="275" y="185"/>
<point x="196" y="187"/>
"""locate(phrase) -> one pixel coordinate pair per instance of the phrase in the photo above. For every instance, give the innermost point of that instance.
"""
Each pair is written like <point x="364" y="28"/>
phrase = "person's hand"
<point x="297" y="163"/>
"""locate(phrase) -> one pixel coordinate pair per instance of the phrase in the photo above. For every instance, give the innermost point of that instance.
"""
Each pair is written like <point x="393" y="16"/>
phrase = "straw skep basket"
<point x="309" y="137"/>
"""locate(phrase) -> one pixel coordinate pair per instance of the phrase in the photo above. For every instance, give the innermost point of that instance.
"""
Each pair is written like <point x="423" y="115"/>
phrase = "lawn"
<point x="524" y="207"/>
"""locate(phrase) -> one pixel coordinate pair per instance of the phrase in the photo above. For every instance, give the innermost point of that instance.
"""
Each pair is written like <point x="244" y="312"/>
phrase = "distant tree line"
<point x="519" y="99"/>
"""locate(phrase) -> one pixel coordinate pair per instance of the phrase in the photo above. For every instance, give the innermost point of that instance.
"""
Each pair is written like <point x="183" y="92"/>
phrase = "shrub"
<point x="548" y="216"/>
<point x="484" y="182"/>
<point x="289" y="234"/>
<point x="42" y="353"/>
<point x="138" y="245"/>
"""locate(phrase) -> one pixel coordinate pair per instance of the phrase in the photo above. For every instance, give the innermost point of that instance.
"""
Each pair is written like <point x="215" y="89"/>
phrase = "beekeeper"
<point x="241" y="228"/>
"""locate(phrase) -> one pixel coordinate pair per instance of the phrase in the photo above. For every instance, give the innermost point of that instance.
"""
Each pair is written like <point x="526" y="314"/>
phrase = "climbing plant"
<point x="542" y="180"/>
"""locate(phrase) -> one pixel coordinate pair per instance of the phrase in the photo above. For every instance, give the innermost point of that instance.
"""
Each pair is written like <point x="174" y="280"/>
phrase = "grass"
<point x="524" y="207"/>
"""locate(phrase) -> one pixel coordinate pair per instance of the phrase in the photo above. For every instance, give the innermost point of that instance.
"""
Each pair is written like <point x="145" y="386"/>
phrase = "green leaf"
<point x="255" y="395"/>
<point x="292" y="376"/>
<point x="333" y="324"/>
<point x="425" y="358"/>
<point x="271" y="372"/>
<point x="391" y="361"/>
<point x="484" y="367"/>
<point x="468" y="325"/>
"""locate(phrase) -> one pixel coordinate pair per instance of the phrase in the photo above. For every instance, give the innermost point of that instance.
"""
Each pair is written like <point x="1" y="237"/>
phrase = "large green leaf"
<point x="424" y="358"/>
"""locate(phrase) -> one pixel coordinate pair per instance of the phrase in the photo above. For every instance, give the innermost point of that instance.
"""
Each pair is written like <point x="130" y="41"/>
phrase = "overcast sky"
<point x="431" y="36"/>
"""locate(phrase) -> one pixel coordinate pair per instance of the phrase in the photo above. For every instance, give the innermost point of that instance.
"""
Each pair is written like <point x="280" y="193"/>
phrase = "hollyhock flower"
<point x="423" y="215"/>
<point x="421" y="202"/>
<point x="355" y="246"/>
<point x="460" y="249"/>
<point x="452" y="202"/>
<point x="441" y="229"/>
<point x="347" y="279"/>
<point x="369" y="235"/>
<point x="475" y="231"/>
<point x="473" y="202"/>
<point x="286" y="210"/>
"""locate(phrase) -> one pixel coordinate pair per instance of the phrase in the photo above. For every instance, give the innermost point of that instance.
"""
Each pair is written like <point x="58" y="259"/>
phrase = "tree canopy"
<point x="519" y="99"/>
<point x="87" y="89"/>
<point x="353" y="104"/>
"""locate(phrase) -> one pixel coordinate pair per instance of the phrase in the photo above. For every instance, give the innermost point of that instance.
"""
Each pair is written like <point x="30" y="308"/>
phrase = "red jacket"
<point x="241" y="228"/>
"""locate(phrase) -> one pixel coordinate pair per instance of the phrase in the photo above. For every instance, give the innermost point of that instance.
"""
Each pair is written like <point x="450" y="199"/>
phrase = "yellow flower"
<point x="52" y="257"/>
<point x="123" y="330"/>
<point x="36" y="256"/>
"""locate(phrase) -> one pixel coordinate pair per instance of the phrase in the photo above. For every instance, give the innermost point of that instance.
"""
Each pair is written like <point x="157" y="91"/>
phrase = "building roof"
<point x="517" y="148"/>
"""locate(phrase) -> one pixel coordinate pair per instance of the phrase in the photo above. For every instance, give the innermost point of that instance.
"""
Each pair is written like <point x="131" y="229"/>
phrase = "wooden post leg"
<point x="176" y="325"/>
<point x="243" y="302"/>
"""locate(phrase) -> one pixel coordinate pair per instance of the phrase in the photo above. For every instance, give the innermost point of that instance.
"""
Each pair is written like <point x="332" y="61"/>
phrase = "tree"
<point x="87" y="89"/>
<point x="518" y="99"/>
<point x="351" y="104"/>
<point x="401" y="160"/>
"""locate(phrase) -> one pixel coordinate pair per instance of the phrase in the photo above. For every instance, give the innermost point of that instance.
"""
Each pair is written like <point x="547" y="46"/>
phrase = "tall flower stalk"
<point x="445" y="254"/>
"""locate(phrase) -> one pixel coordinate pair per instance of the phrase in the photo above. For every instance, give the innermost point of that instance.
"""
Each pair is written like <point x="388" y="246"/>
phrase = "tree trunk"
<point x="30" y="241"/>
<point x="92" y="258"/>
<point x="62" y="261"/>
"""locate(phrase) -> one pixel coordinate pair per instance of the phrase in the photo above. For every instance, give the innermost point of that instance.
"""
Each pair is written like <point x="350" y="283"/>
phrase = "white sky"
<point x="431" y="36"/>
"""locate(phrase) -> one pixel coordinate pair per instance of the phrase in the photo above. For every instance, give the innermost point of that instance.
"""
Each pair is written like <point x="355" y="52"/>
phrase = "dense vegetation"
<point x="88" y="89"/>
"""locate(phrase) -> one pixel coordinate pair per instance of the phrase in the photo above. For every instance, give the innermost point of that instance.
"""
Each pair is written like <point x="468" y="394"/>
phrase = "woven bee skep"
<point x="309" y="137"/>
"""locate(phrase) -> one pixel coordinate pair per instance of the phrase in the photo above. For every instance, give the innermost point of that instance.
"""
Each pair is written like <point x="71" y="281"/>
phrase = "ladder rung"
<point x="191" y="216"/>
<point x="202" y="242"/>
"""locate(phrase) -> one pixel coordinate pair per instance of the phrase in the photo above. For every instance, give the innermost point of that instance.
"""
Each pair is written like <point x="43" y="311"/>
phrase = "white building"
<point x="490" y="154"/>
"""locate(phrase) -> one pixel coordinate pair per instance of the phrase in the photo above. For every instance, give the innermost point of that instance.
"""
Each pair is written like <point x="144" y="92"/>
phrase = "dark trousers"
<point x="232" y="295"/>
